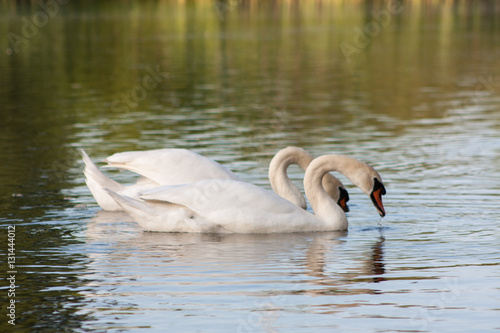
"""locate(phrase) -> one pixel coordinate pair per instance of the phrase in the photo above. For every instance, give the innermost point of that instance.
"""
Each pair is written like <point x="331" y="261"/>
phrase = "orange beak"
<point x="376" y="197"/>
<point x="343" y="204"/>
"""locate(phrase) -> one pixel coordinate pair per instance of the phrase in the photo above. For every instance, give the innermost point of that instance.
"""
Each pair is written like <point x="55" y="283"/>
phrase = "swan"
<point x="182" y="166"/>
<point x="231" y="206"/>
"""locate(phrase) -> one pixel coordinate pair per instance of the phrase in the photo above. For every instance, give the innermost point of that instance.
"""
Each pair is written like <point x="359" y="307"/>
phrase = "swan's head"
<point x="367" y="179"/>
<point x="363" y="176"/>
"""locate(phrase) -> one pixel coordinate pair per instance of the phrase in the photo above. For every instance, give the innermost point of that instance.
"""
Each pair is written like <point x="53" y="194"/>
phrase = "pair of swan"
<point x="226" y="204"/>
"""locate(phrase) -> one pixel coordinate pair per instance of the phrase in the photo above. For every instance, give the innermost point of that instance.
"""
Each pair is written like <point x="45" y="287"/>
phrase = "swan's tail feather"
<point x="97" y="182"/>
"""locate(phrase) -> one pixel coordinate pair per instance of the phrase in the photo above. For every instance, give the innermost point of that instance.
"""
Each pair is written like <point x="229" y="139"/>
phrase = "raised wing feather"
<point x="170" y="166"/>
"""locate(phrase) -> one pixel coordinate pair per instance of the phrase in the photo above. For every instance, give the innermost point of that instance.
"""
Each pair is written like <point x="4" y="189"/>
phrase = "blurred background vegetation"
<point x="240" y="71"/>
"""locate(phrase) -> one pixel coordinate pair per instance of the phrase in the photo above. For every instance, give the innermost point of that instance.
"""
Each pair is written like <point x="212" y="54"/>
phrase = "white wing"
<point x="170" y="166"/>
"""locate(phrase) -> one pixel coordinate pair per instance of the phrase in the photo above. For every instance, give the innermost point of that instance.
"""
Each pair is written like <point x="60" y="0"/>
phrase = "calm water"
<point x="417" y="96"/>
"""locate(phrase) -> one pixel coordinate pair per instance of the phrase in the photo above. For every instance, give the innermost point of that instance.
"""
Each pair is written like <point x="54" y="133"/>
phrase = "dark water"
<point x="416" y="95"/>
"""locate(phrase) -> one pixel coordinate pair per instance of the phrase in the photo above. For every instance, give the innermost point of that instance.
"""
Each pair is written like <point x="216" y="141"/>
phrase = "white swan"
<point x="181" y="166"/>
<point x="229" y="206"/>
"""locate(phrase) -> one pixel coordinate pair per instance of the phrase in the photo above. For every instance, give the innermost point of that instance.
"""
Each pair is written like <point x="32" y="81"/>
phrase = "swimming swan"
<point x="229" y="206"/>
<point x="180" y="166"/>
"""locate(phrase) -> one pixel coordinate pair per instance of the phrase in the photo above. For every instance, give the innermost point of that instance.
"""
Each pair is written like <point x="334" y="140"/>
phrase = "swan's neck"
<point x="278" y="177"/>
<point x="323" y="205"/>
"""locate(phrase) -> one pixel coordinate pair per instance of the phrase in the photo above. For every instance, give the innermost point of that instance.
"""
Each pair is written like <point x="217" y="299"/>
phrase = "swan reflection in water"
<point x="327" y="257"/>
<point x="134" y="270"/>
<point x="336" y="271"/>
<point x="377" y="260"/>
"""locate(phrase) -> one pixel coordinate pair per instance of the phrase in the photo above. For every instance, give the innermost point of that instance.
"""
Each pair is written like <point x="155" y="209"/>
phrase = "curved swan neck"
<point x="355" y="170"/>
<point x="323" y="205"/>
<point x="359" y="173"/>
<point x="278" y="177"/>
<point x="313" y="184"/>
<point x="290" y="155"/>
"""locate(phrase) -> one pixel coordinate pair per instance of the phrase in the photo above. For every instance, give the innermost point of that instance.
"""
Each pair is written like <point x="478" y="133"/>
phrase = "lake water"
<point x="412" y="89"/>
